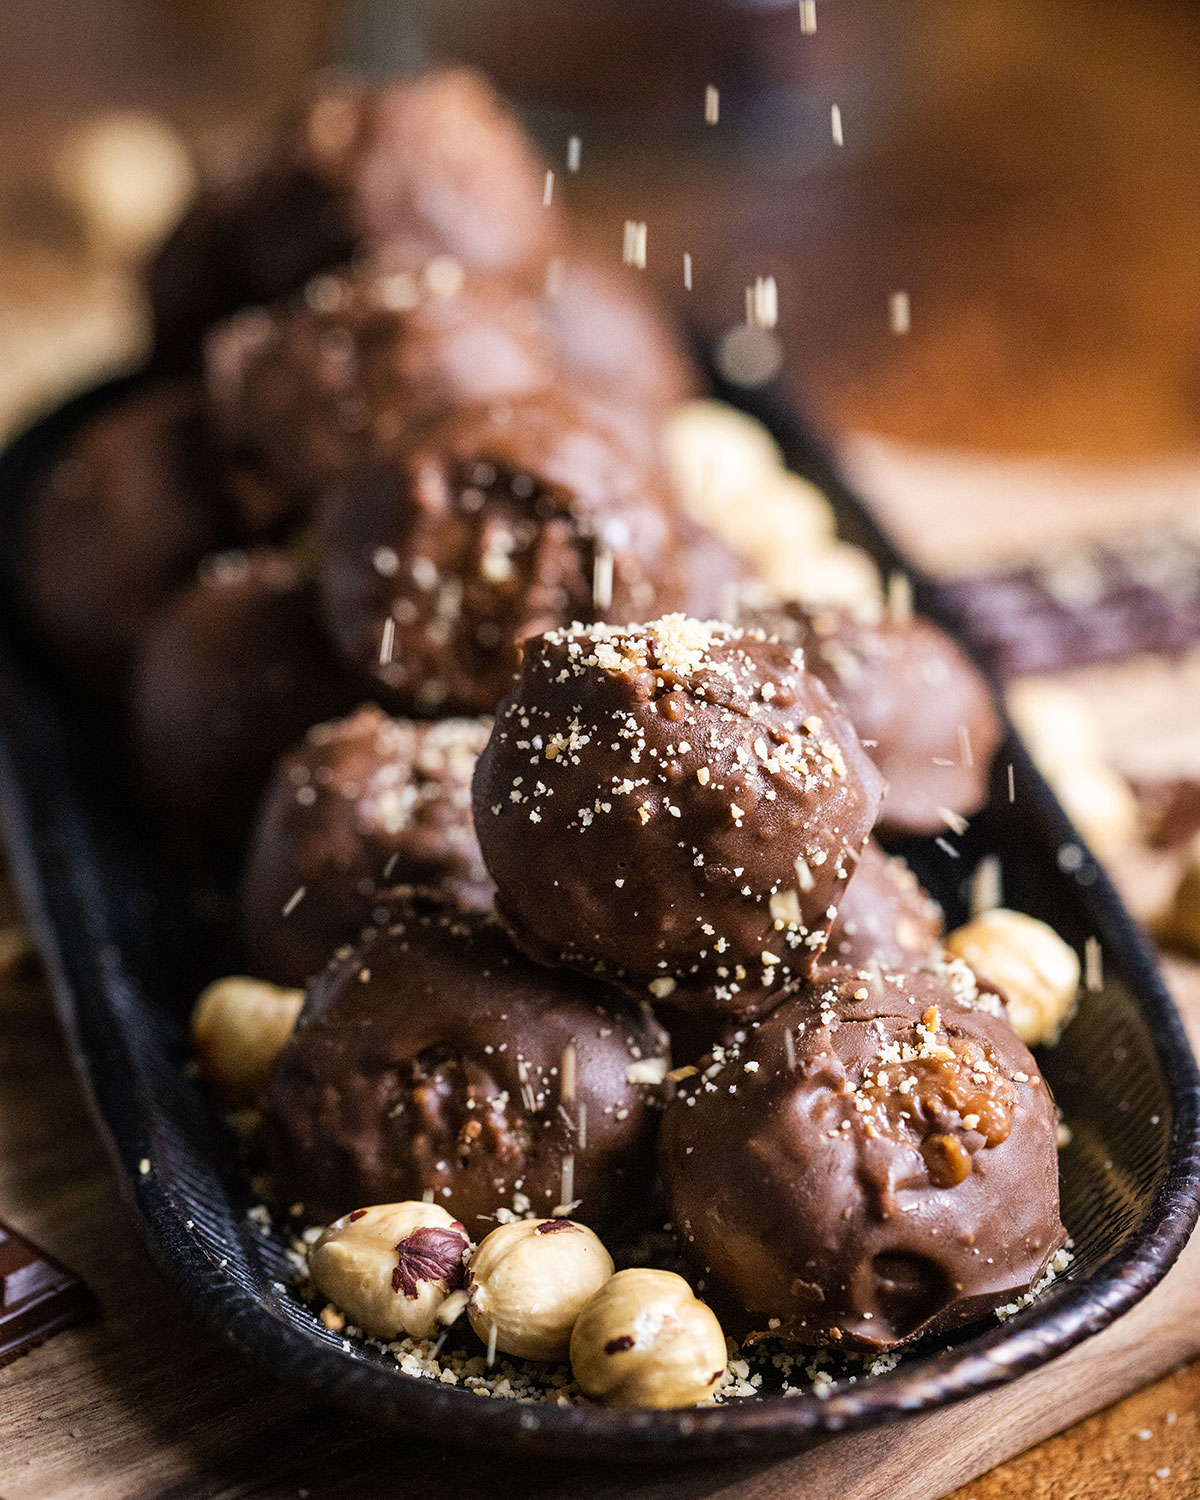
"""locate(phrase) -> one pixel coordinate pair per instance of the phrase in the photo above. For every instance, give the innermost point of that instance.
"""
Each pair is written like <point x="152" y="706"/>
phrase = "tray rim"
<point x="51" y="889"/>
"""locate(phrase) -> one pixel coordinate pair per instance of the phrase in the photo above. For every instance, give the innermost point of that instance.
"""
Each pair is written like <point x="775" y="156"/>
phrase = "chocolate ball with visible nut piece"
<point x="884" y="916"/>
<point x="300" y="392"/>
<point x="675" y="805"/>
<point x="360" y="804"/>
<point x="389" y="1268"/>
<point x="923" y="710"/>
<point x="493" y="524"/>
<point x="437" y="1059"/>
<point x="119" y="520"/>
<point x="425" y="166"/>
<point x="877" y="1161"/>
<point x="232" y="672"/>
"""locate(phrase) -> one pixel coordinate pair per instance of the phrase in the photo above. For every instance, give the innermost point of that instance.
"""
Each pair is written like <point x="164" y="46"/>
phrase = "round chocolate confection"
<point x="613" y="339"/>
<point x="435" y="1058"/>
<point x="675" y="805"/>
<point x="884" y="916"/>
<point x="231" y="673"/>
<point x="301" y="392"/>
<point x="360" y="804"/>
<point x="120" y="519"/>
<point x="922" y="708"/>
<point x="494" y="524"/>
<point x="426" y="166"/>
<point x="877" y="1161"/>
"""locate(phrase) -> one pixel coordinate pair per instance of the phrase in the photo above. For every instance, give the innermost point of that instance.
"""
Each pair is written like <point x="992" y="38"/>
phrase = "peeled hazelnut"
<point x="1037" y="972"/>
<point x="1179" y="927"/>
<point x="1099" y="801"/>
<point x="391" y="1268"/>
<point x="716" y="454"/>
<point x="645" y="1339"/>
<point x="238" y="1025"/>
<point x="528" y="1281"/>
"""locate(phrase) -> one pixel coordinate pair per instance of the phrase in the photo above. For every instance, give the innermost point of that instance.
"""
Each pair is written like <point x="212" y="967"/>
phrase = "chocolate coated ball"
<point x="677" y="806"/>
<point x="359" y="804"/>
<point x="877" y="1161"/>
<point x="120" y="519"/>
<point x="495" y="523"/>
<point x="231" y="673"/>
<point x="436" y="1058"/>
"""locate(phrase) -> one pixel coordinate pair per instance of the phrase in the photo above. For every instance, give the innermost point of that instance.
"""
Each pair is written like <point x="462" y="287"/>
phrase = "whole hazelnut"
<point x="528" y="1281"/>
<point x="645" y="1339"/>
<point x="238" y="1025"/>
<point x="1179" y="926"/>
<point x="1037" y="972"/>
<point x="390" y="1268"/>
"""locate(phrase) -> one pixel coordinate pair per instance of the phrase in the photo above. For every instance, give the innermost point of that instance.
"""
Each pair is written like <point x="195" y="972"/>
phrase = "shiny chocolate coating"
<point x="877" y="1161"/>
<point x="231" y="673"/>
<point x="301" y="392"/>
<point x="425" y="166"/>
<point x="677" y="806"/>
<point x="884" y="916"/>
<point x="436" y="1058"/>
<point x="922" y="708"/>
<point x="494" y="523"/>
<point x="360" y="804"/>
<point x="119" y="519"/>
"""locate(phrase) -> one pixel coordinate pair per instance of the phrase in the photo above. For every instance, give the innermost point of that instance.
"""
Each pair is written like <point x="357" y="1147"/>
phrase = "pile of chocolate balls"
<point x="555" y="741"/>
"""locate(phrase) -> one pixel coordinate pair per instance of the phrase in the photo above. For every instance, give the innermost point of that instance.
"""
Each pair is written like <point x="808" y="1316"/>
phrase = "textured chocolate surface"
<point x="230" y="674"/>
<point x="923" y="710"/>
<point x="38" y="1297"/>
<point x="498" y="522"/>
<point x="433" y="1058"/>
<point x="884" y="915"/>
<point x="118" y="521"/>
<point x="301" y="392"/>
<point x="877" y="1161"/>
<point x="426" y="166"/>
<point x="361" y="803"/>
<point x="676" y="805"/>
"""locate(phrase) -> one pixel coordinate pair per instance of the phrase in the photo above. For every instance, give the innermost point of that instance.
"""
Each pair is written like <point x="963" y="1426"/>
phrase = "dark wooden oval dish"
<point x="126" y="956"/>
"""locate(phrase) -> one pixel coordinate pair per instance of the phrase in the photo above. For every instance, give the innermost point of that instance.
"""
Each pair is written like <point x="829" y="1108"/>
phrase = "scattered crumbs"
<point x="899" y="313"/>
<point x="634" y="250"/>
<point x="1145" y="1434"/>
<point x="1059" y="1262"/>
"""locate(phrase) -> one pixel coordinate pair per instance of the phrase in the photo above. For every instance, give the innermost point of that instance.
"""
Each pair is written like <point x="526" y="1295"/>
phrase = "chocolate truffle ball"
<point x="426" y="166"/>
<point x="923" y="709"/>
<point x="435" y="1058"/>
<point x="884" y="916"/>
<point x="877" y="1161"/>
<point x="120" y="519"/>
<point x="493" y="524"/>
<point x="301" y="392"/>
<point x="231" y="673"/>
<point x="676" y="805"/>
<point x="614" y="340"/>
<point x="361" y="803"/>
